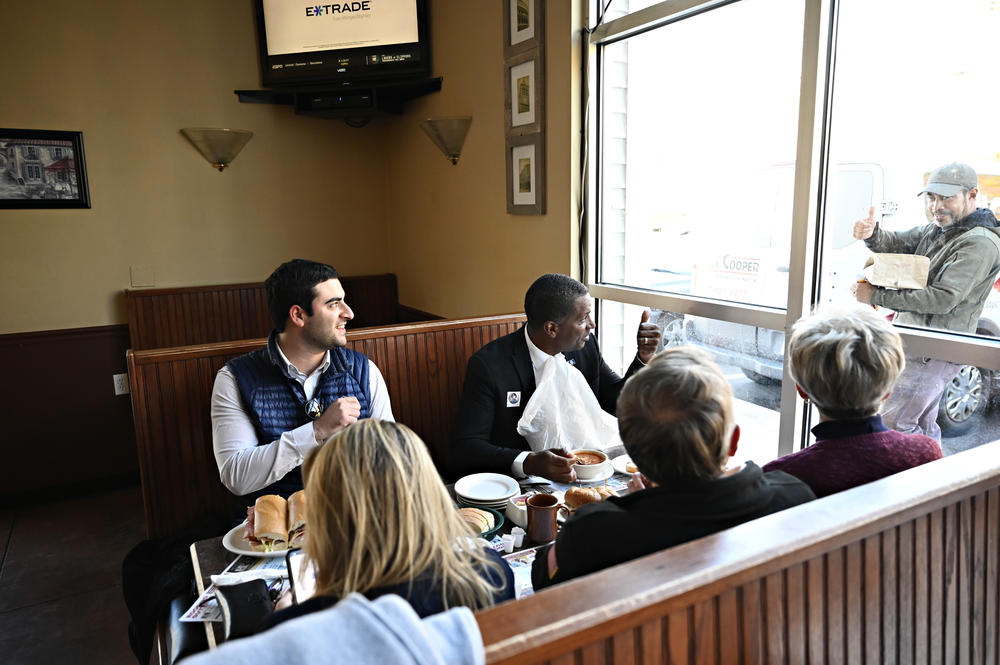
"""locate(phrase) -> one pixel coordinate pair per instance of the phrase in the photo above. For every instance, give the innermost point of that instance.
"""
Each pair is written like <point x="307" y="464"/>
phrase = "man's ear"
<point x="734" y="440"/>
<point x="550" y="328"/>
<point x="801" y="392"/>
<point x="297" y="316"/>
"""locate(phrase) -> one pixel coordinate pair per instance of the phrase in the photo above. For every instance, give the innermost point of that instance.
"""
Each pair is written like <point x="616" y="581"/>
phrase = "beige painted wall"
<point x="456" y="250"/>
<point x="130" y="75"/>
<point x="376" y="199"/>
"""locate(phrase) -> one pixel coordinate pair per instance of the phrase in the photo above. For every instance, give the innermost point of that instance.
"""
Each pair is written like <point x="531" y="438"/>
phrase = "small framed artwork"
<point x="523" y="25"/>
<point x="524" y="94"/>
<point x="526" y="174"/>
<point x="41" y="168"/>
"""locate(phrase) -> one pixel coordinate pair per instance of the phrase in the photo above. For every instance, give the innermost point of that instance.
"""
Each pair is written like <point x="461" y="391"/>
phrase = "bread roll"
<point x="481" y="521"/>
<point x="578" y="496"/>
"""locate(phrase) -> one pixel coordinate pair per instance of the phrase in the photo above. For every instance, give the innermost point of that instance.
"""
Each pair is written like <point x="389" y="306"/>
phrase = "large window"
<point x="734" y="145"/>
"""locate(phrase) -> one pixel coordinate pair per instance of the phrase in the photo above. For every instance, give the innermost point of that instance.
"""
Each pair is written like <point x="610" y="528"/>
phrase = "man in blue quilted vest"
<point x="272" y="406"/>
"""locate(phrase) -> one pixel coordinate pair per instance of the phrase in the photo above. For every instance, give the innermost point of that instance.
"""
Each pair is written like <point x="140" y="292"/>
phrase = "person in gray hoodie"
<point x="963" y="245"/>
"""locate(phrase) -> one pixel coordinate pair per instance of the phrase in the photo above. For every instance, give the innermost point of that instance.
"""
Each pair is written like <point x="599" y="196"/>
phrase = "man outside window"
<point x="963" y="245"/>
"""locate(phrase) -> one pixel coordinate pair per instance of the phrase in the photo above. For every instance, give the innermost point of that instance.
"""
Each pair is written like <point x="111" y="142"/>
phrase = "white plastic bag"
<point x="564" y="413"/>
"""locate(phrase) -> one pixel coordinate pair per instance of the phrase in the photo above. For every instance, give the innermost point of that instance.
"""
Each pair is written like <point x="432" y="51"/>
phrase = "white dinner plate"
<point x="234" y="542"/>
<point x="486" y="487"/>
<point x="619" y="464"/>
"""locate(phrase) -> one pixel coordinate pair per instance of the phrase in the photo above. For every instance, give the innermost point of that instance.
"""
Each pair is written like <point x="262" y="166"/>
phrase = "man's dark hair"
<point x="552" y="297"/>
<point x="293" y="283"/>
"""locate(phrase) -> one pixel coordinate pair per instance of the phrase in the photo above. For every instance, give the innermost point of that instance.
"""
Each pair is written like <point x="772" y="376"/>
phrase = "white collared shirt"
<point x="243" y="465"/>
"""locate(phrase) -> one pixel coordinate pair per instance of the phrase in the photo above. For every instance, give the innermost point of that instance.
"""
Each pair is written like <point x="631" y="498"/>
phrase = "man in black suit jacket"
<point x="500" y="379"/>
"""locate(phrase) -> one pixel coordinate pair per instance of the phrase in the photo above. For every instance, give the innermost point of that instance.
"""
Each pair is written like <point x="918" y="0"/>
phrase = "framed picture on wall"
<point x="524" y="94"/>
<point x="523" y="25"/>
<point x="42" y="169"/>
<point x="526" y="174"/>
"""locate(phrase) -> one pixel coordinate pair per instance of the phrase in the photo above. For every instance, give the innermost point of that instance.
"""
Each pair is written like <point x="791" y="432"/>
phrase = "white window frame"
<point x="819" y="39"/>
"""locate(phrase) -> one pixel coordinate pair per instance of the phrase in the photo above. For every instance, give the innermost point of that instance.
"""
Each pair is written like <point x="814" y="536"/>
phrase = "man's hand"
<point x="863" y="292"/>
<point x="864" y="228"/>
<point x="638" y="482"/>
<point x="647" y="337"/>
<point x="552" y="463"/>
<point x="337" y="416"/>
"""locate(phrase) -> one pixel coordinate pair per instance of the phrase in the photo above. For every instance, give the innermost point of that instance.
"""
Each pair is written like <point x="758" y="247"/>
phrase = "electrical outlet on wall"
<point x="121" y="384"/>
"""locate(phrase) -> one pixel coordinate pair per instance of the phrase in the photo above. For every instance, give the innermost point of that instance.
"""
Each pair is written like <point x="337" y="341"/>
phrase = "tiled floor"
<point x="60" y="579"/>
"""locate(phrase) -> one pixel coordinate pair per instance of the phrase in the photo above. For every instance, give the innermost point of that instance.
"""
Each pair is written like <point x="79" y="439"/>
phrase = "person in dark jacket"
<point x="845" y="361"/>
<point x="963" y="245"/>
<point x="675" y="417"/>
<point x="502" y="376"/>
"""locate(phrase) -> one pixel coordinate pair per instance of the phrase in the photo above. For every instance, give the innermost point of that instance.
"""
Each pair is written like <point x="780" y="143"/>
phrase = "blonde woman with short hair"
<point x="381" y="521"/>
<point x="845" y="361"/>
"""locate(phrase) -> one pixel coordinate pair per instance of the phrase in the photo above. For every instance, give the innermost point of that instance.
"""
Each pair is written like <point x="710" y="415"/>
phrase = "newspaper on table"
<point x="207" y="608"/>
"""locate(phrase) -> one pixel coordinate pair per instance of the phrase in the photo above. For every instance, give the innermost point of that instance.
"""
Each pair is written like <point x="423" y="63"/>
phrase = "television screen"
<point x="341" y="42"/>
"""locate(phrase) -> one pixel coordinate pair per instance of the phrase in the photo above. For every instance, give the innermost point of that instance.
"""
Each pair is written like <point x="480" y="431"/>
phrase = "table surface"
<point x="209" y="557"/>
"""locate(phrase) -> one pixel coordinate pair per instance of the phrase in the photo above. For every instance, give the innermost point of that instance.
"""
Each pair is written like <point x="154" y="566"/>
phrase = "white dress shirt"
<point x="538" y="359"/>
<point x="243" y="465"/>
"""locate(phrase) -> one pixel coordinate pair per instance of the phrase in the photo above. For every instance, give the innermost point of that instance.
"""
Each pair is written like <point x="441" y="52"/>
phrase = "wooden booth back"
<point x="423" y="365"/>
<point x="159" y="318"/>
<point x="900" y="571"/>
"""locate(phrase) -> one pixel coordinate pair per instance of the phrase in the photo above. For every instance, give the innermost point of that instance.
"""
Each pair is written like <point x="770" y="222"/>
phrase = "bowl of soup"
<point x="590" y="464"/>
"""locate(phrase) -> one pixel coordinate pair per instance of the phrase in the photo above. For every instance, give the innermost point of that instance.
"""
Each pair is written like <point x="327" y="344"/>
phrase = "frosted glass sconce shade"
<point x="448" y="134"/>
<point x="219" y="146"/>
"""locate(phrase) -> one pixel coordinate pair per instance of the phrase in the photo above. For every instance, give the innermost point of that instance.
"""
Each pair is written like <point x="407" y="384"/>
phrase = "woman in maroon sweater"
<point x="845" y="361"/>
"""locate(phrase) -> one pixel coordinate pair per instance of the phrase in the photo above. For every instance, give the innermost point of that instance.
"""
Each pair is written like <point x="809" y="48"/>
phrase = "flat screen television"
<point x="370" y="41"/>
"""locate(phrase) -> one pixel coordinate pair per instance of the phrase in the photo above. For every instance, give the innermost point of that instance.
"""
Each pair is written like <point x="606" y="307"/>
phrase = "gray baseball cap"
<point x="950" y="179"/>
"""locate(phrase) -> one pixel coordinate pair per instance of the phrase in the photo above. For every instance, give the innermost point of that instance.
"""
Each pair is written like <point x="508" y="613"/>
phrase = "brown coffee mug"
<point x="542" y="509"/>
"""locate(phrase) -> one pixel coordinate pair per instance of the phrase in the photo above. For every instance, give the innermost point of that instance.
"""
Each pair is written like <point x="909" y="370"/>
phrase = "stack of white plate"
<point x="486" y="490"/>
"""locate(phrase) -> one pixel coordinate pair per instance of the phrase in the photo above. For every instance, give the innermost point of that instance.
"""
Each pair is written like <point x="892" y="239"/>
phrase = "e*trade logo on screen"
<point x="339" y="8"/>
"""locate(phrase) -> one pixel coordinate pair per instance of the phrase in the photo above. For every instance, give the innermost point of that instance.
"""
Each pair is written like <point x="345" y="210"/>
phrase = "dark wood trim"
<point x="116" y="330"/>
<point x="178" y="316"/>
<point x="860" y="550"/>
<point x="423" y="365"/>
<point x="64" y="377"/>
<point x="412" y="314"/>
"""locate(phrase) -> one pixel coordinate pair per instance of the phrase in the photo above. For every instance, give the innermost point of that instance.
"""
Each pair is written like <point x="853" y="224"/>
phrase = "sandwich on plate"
<point x="274" y="524"/>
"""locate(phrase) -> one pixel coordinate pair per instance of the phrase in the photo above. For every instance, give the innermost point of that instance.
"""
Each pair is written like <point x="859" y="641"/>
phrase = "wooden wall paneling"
<point x="977" y="573"/>
<point x="564" y="659"/>
<point x="816" y="630"/>
<point x="890" y="597"/>
<point x="991" y="600"/>
<point x="936" y="576"/>
<point x="651" y="642"/>
<point x="775" y="618"/>
<point x="730" y="627"/>
<point x="626" y="648"/>
<point x="705" y="621"/>
<point x="861" y="566"/>
<point x="835" y="611"/>
<point x="795" y="611"/>
<point x="951" y="583"/>
<point x="680" y="634"/>
<point x="752" y="622"/>
<point x="963" y="579"/>
<point x="921" y="590"/>
<point x="594" y="653"/>
<point x="907" y="583"/>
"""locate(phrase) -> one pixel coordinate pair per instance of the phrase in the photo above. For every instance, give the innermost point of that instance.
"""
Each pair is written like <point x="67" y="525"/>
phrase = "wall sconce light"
<point x="219" y="146"/>
<point x="448" y="134"/>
